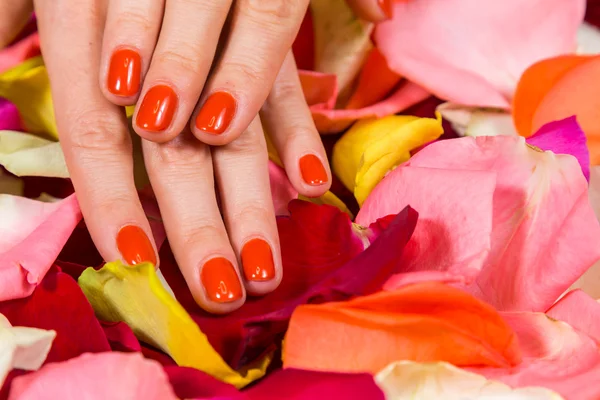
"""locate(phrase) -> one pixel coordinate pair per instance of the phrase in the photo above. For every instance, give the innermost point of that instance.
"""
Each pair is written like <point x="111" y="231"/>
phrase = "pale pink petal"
<point x="472" y="52"/>
<point x="320" y="90"/>
<point x="542" y="220"/>
<point x="580" y="311"/>
<point x="555" y="356"/>
<point x="455" y="216"/>
<point x="282" y="190"/>
<point x="32" y="234"/>
<point x="96" y="376"/>
<point x="19" y="52"/>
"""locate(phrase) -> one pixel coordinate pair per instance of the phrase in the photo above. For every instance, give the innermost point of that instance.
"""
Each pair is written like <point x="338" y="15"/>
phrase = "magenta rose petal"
<point x="564" y="137"/>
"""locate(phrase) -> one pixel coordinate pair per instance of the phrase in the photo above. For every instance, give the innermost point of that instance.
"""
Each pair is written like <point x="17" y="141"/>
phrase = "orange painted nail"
<point x="134" y="245"/>
<point x="312" y="170"/>
<point x="220" y="281"/>
<point x="216" y="113"/>
<point x="157" y="109"/>
<point x="257" y="261"/>
<point x="124" y="73"/>
<point x="387" y="7"/>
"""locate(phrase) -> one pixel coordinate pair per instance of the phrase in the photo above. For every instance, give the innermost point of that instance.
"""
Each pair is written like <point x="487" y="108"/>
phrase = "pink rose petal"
<point x="32" y="235"/>
<point x="320" y="91"/>
<point x="472" y="52"/>
<point x="542" y="219"/>
<point x="455" y="216"/>
<point x="580" y="311"/>
<point x="96" y="376"/>
<point x="555" y="356"/>
<point x="20" y="51"/>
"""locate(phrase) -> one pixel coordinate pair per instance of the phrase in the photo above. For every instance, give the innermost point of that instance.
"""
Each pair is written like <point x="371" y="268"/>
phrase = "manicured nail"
<point x="134" y="245"/>
<point x="220" y="281"/>
<point x="387" y="7"/>
<point x="312" y="170"/>
<point x="216" y="113"/>
<point x="124" y="73"/>
<point x="157" y="109"/>
<point x="257" y="260"/>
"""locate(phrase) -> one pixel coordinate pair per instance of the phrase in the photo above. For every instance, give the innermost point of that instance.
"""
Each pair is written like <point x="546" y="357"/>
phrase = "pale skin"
<point x="105" y="54"/>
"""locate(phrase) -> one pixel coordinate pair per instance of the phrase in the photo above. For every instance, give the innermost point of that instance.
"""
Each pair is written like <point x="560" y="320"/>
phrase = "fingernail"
<point x="134" y="245"/>
<point x="216" y="113"/>
<point x="257" y="261"/>
<point x="157" y="109"/>
<point x="124" y="73"/>
<point x="220" y="281"/>
<point x="312" y="170"/>
<point x="387" y="7"/>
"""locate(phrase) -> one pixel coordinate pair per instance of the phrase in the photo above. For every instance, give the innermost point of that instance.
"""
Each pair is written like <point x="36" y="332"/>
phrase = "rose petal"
<point x="304" y="44"/>
<point x="371" y="148"/>
<point x="411" y="380"/>
<point x="22" y="347"/>
<point x="323" y="259"/>
<point x="342" y="42"/>
<point x="580" y="311"/>
<point x="421" y="322"/>
<point x="290" y="384"/>
<point x="20" y="51"/>
<point x="542" y="219"/>
<point x="58" y="304"/>
<point x="588" y="39"/>
<point x="564" y="137"/>
<point x="121" y="337"/>
<point x="474" y="121"/>
<point x="452" y="234"/>
<point x="282" y="190"/>
<point x="136" y="296"/>
<point x="9" y="116"/>
<point x="456" y="50"/>
<point x="32" y="234"/>
<point x="23" y="154"/>
<point x="27" y="86"/>
<point x="96" y="376"/>
<point x="555" y="356"/>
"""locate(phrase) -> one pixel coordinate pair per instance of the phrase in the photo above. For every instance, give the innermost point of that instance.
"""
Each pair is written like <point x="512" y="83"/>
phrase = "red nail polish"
<point x="124" y="73"/>
<point x="216" y="113"/>
<point x="157" y="109"/>
<point x="220" y="281"/>
<point x="312" y="170"/>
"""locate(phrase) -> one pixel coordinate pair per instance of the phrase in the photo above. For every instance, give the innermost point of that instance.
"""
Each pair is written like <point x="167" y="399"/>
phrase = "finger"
<point x="14" y="15"/>
<point x="181" y="174"/>
<point x="130" y="35"/>
<point x="289" y="123"/>
<point x="180" y="64"/>
<point x="93" y="132"/>
<point x="372" y="10"/>
<point x="262" y="32"/>
<point x="241" y="172"/>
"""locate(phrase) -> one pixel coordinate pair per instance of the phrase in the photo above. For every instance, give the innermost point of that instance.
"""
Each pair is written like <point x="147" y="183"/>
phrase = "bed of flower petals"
<point x="454" y="258"/>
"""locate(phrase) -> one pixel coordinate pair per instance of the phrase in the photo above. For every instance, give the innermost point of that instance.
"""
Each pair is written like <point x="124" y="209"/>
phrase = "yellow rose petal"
<point x="136" y="296"/>
<point x="27" y="86"/>
<point x="23" y="154"/>
<point x="371" y="148"/>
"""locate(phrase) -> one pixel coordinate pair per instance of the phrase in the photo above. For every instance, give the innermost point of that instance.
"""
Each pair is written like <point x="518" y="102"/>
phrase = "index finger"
<point x="93" y="132"/>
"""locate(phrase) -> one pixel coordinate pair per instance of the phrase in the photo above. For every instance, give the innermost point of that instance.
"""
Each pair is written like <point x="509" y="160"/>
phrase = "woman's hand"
<point x="104" y="53"/>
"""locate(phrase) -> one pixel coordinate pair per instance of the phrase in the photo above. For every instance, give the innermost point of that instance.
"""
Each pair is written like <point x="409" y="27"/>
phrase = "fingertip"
<point x="212" y="122"/>
<point x="221" y="290"/>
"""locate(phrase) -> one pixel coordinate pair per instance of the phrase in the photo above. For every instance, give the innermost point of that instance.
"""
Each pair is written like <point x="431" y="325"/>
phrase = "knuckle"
<point x="283" y="90"/>
<point x="245" y="72"/>
<point x="201" y="233"/>
<point x="185" y="59"/>
<point x="98" y="131"/>
<point x="274" y="10"/>
<point x="134" y="20"/>
<point x="182" y="154"/>
<point x="251" y="213"/>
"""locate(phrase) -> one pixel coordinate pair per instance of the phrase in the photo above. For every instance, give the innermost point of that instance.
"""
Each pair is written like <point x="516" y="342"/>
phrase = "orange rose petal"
<point x="375" y="82"/>
<point x="535" y="83"/>
<point x="576" y="93"/>
<point x="422" y="322"/>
